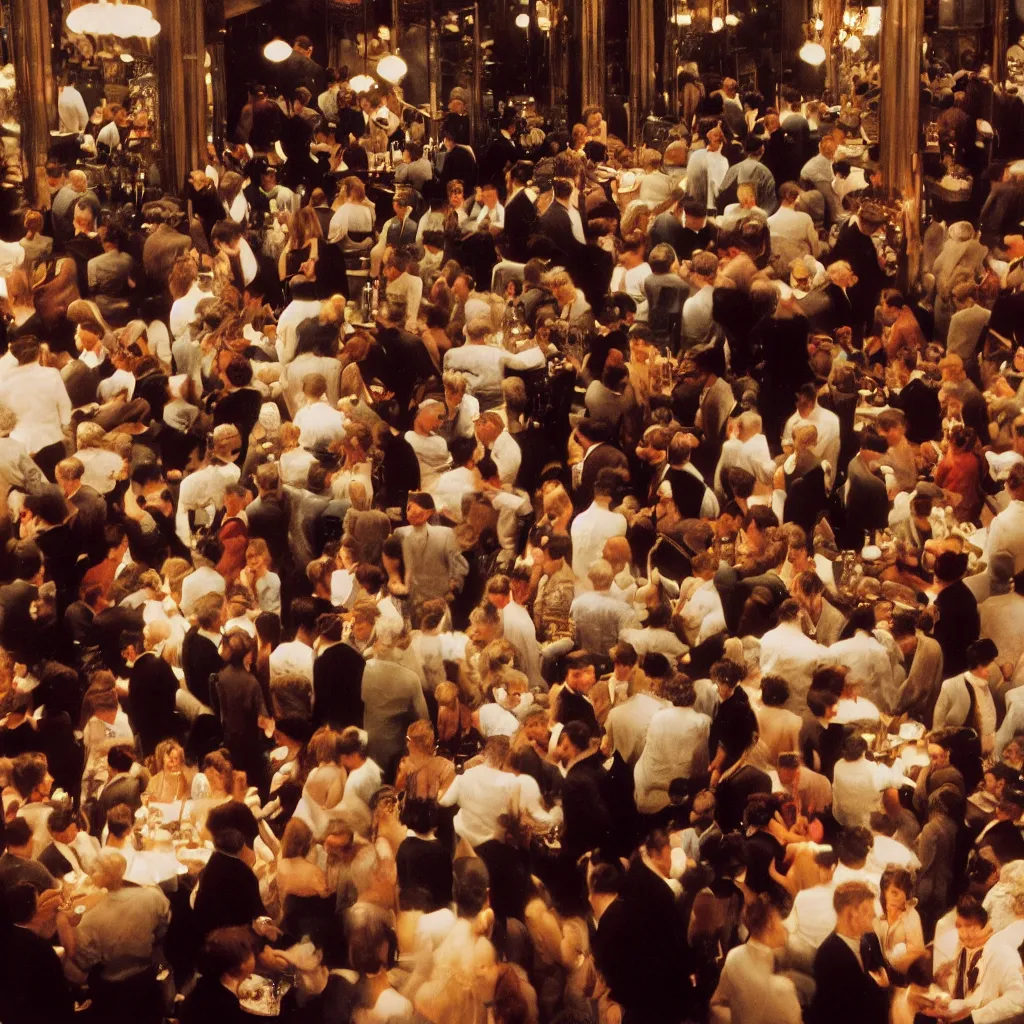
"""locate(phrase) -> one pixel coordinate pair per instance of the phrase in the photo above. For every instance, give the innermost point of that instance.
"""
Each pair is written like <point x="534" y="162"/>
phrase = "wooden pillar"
<point x="641" y="64"/>
<point x="37" y="94"/>
<point x="592" y="60"/>
<point x="181" y="55"/>
<point x="1000" y="22"/>
<point x="899" y="114"/>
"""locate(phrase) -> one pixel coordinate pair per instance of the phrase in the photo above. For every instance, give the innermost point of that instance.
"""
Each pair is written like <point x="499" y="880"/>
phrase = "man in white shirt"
<point x="676" y="746"/>
<point x="826" y="422"/>
<point x="110" y="134"/>
<point x="518" y="629"/>
<point x="404" y="287"/>
<point x="453" y="485"/>
<point x="813" y="916"/>
<point x="749" y="991"/>
<point x="483" y="795"/>
<point x="431" y="450"/>
<point x="489" y="215"/>
<point x="71" y="110"/>
<point x="787" y="652"/>
<point x="38" y="398"/>
<point x="745" y="448"/>
<point x="700" y="609"/>
<point x="593" y="527"/>
<point x="319" y="423"/>
<point x="706" y="169"/>
<point x="492" y="433"/>
<point x="1006" y="531"/>
<point x="304" y="305"/>
<point x="484" y="364"/>
<point x="866" y="661"/>
<point x="792" y="230"/>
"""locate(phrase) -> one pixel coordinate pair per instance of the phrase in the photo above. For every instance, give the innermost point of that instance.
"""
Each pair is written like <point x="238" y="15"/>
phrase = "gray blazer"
<point x="433" y="562"/>
<point x="920" y="691"/>
<point x="392" y="701"/>
<point x="830" y="624"/>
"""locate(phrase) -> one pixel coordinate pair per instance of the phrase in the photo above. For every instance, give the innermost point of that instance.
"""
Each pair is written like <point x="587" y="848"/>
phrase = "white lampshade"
<point x="522" y="20"/>
<point x="812" y="53"/>
<point x="732" y="20"/>
<point x="113" y="19"/>
<point x="361" y="83"/>
<point x="276" y="51"/>
<point x="392" y="68"/>
<point x="852" y="44"/>
<point x="717" y="24"/>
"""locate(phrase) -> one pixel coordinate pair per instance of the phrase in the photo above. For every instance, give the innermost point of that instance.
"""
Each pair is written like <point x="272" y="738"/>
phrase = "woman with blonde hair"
<point x="557" y="506"/>
<point x="171" y="781"/>
<point x="423" y="774"/>
<point x="302" y="250"/>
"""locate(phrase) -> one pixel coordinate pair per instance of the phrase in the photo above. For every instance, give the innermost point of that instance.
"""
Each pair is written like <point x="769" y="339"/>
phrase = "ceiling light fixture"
<point x="276" y="51"/>
<point x="392" y="68"/>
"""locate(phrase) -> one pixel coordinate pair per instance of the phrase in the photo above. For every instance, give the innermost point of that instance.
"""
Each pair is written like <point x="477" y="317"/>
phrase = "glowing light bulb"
<point x="717" y="24"/>
<point x="522" y="20"/>
<point x="276" y="51"/>
<point x="812" y="53"/>
<point x="852" y="44"/>
<point x="732" y="20"/>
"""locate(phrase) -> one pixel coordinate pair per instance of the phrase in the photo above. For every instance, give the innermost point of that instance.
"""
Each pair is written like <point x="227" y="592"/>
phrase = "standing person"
<point x="851" y="983"/>
<point x="434" y="565"/>
<point x="119" y="939"/>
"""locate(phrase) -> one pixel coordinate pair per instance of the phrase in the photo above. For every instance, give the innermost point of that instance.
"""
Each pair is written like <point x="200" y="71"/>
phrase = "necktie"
<point x="966" y="973"/>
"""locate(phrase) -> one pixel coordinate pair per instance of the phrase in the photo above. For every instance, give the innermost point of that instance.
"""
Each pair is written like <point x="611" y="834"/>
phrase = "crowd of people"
<point x="592" y="593"/>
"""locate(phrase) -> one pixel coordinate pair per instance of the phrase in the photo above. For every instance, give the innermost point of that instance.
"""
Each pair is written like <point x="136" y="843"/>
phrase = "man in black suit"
<point x="60" y="856"/>
<point x="299" y="68"/>
<point x="594" y="437"/>
<point x="586" y="818"/>
<point x="18" y="629"/>
<point x="573" y="701"/>
<point x="240" y="403"/>
<point x="653" y="983"/>
<point x="851" y="984"/>
<point x="89" y="506"/>
<point x="556" y="226"/>
<point x="867" y="500"/>
<point x="520" y="212"/>
<point x="501" y="153"/>
<point x="152" y="687"/>
<point x="916" y="399"/>
<point x="122" y="787"/>
<point x="200" y="649"/>
<point x="459" y="164"/>
<point x="268" y="515"/>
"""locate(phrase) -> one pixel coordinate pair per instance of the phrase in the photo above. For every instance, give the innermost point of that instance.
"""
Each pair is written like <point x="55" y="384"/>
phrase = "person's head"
<point x="419" y="508"/>
<point x="228" y="954"/>
<point x="764" y="922"/>
<point x="297" y="839"/>
<point x="579" y="672"/>
<point x="939" y="747"/>
<point x="574" y="741"/>
<point x="854" y="904"/>
<point x="30" y="777"/>
<point x="971" y="923"/>
<point x="896" y="889"/>
<point x="555" y="552"/>
<point x="727" y="675"/>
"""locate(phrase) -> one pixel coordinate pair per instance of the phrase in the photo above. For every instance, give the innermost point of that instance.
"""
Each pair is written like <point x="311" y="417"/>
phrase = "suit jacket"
<point x="434" y="564"/>
<point x="920" y="404"/>
<point x="867" y="503"/>
<point x="125" y="789"/>
<point x="55" y="862"/>
<point x="520" y="224"/>
<point x="500" y="154"/>
<point x="830" y="624"/>
<point x="845" y="993"/>
<point x="749" y="991"/>
<point x="920" y="690"/>
<point x="586" y="818"/>
<point x="398" y="232"/>
<point x="90" y="518"/>
<point x="337" y="687"/>
<point x="152" y="689"/>
<point x="392" y="700"/>
<point x="199" y="660"/>
<point x="555" y="225"/>
<point x="958" y="626"/>
<point x="268" y="518"/>
<point x="603" y="455"/>
<point x="574" y="707"/>
<point x="460" y="165"/>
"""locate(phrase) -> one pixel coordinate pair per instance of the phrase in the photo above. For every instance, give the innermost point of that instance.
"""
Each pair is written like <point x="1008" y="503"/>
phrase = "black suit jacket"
<point x="152" y="688"/>
<point x="1004" y="837"/>
<point x="586" y="818"/>
<point x="867" y="503"/>
<point x="90" y="518"/>
<point x="199" y="660"/>
<point x="574" y="707"/>
<point x="520" y="224"/>
<point x="920" y="404"/>
<point x="337" y="687"/>
<point x="845" y="993"/>
<point x="242" y="408"/>
<point x="603" y="455"/>
<point x="269" y="518"/>
<point x="556" y="227"/>
<point x="500" y="154"/>
<point x="460" y="165"/>
<point x="54" y="861"/>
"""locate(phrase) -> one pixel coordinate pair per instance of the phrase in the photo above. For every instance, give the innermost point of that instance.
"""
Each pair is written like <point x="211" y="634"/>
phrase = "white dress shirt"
<point x="451" y="487"/>
<point x="71" y="110"/>
<point x="627" y="724"/>
<point x="998" y="994"/>
<point x="205" y="580"/>
<point x="292" y="659"/>
<point x="787" y="652"/>
<point x="590" y="531"/>
<point x="483" y="795"/>
<point x="676" y="748"/>
<point x="855" y="792"/>
<point x="700" y="609"/>
<point x="869" y="667"/>
<point x="320" y="424"/>
<point x="292" y="315"/>
<point x="827" y="424"/>
<point x="432" y="454"/>
<point x="1006" y="533"/>
<point x="750" y="990"/>
<point x="508" y="457"/>
<point x="38" y="398"/>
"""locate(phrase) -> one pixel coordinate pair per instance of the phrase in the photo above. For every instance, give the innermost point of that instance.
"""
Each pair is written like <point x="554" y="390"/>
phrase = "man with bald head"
<point x="116" y="946"/>
<point x="64" y="202"/>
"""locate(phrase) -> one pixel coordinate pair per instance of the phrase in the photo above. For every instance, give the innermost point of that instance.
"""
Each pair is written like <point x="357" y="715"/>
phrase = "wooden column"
<point x="1001" y="18"/>
<point x="899" y="114"/>
<point x="592" y="60"/>
<point x="641" y="65"/>
<point x="181" y="55"/>
<point x="37" y="93"/>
